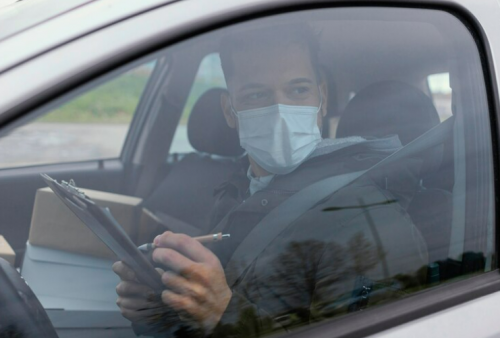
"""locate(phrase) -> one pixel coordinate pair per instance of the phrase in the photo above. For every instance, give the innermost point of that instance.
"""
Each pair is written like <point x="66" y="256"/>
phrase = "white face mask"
<point x="279" y="137"/>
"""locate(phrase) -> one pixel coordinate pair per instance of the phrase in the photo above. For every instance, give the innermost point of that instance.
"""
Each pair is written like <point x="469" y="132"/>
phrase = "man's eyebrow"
<point x="258" y="85"/>
<point x="301" y="80"/>
<point x="251" y="86"/>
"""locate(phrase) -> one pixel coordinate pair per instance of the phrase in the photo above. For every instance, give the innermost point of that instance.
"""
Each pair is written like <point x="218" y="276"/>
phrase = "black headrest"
<point x="207" y="129"/>
<point x="389" y="108"/>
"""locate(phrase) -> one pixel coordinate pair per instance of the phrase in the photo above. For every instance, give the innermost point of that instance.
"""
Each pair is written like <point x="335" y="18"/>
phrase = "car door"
<point x="375" y="51"/>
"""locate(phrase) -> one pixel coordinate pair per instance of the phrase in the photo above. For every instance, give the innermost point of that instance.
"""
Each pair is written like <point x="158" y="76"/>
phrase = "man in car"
<point x="327" y="261"/>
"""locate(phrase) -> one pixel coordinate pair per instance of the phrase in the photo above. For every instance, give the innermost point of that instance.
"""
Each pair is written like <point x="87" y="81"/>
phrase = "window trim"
<point x="379" y="318"/>
<point x="145" y="104"/>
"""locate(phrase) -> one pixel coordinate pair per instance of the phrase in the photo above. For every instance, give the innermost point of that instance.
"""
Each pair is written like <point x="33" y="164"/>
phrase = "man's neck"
<point x="257" y="170"/>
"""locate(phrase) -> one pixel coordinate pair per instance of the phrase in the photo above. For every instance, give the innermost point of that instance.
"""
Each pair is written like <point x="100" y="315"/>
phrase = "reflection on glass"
<point x="283" y="103"/>
<point x="381" y="237"/>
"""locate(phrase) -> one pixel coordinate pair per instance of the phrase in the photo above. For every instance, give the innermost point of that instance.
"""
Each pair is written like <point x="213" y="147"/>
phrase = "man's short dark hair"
<point x="269" y="37"/>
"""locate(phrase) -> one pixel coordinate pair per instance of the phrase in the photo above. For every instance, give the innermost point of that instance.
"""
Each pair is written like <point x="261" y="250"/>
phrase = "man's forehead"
<point x="272" y="64"/>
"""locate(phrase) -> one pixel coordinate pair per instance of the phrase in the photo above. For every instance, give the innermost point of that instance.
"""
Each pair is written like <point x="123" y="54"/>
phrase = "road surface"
<point x="42" y="143"/>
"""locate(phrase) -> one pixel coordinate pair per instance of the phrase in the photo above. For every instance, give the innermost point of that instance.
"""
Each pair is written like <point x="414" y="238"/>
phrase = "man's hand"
<point x="138" y="302"/>
<point x="196" y="285"/>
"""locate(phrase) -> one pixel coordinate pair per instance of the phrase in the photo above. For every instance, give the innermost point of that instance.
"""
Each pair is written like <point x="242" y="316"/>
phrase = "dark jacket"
<point x="354" y="249"/>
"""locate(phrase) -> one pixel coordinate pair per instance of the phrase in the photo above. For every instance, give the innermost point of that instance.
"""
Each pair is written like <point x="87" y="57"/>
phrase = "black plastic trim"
<point x="141" y="114"/>
<point x="29" y="170"/>
<point x="373" y="320"/>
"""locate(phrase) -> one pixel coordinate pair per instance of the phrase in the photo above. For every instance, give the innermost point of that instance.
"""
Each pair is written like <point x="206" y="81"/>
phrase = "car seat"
<point x="392" y="107"/>
<point x="185" y="197"/>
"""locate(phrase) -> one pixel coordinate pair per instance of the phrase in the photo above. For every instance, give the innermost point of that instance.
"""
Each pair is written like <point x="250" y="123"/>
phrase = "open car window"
<point x="91" y="126"/>
<point x="249" y="118"/>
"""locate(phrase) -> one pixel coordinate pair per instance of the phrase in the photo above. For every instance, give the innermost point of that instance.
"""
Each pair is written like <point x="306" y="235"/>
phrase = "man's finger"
<point x="147" y="317"/>
<point x="180" y="303"/>
<point x="132" y="289"/>
<point x="183" y="286"/>
<point x="186" y="245"/>
<point x="140" y="304"/>
<point x="131" y="315"/>
<point x="123" y="271"/>
<point x="172" y="259"/>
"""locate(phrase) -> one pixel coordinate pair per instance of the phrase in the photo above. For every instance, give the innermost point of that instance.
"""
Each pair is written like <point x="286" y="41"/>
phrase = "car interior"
<point x="378" y="85"/>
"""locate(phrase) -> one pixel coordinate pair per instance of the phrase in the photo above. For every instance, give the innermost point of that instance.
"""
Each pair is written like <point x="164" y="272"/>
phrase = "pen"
<point x="202" y="239"/>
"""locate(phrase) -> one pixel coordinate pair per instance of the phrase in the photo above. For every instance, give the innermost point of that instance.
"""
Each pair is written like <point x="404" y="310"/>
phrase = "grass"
<point x="115" y="101"/>
<point x="112" y="102"/>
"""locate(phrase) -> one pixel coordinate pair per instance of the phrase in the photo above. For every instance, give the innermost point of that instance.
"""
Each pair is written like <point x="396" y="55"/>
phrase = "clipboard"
<point x="104" y="225"/>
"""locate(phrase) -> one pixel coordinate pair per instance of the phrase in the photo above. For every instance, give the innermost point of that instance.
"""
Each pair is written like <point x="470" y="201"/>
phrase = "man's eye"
<point x="300" y="90"/>
<point x="255" y="96"/>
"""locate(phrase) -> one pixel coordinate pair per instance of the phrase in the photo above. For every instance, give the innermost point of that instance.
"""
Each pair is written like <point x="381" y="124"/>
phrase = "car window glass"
<point x="91" y="126"/>
<point x="209" y="76"/>
<point x="439" y="86"/>
<point x="317" y="228"/>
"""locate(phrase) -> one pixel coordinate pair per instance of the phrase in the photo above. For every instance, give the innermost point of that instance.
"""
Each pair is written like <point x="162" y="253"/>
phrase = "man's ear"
<point x="225" y="102"/>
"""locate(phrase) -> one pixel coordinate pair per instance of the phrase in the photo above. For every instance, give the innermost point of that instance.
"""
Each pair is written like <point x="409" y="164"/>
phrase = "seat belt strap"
<point x="278" y="219"/>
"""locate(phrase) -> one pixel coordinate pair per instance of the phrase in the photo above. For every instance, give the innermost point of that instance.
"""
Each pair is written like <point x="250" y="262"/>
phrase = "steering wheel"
<point x="21" y="314"/>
